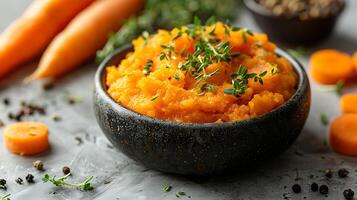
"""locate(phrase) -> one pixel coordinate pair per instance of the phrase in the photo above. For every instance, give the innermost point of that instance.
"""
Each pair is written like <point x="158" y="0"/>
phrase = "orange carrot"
<point x="86" y="34"/>
<point x="348" y="103"/>
<point x="30" y="34"/>
<point x="26" y="138"/>
<point x="343" y="134"/>
<point x="330" y="66"/>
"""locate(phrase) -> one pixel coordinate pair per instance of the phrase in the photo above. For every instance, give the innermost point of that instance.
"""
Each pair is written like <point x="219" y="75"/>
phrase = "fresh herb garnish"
<point x="5" y="197"/>
<point x="338" y="89"/>
<point x="324" y="119"/>
<point x="167" y="53"/>
<point x="240" y="81"/>
<point x="207" y="50"/>
<point x="180" y="194"/>
<point x="177" y="77"/>
<point x="85" y="185"/>
<point x="167" y="188"/>
<point x="154" y="97"/>
<point x="258" y="45"/>
<point x="147" y="67"/>
<point x="206" y="87"/>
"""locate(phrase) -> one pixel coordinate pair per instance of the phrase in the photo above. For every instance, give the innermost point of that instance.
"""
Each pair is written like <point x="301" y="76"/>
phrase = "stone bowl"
<point x="200" y="149"/>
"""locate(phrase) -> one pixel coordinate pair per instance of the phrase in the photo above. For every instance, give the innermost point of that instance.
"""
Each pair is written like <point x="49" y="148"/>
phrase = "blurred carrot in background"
<point x="87" y="33"/>
<point x="331" y="66"/>
<point x="30" y="34"/>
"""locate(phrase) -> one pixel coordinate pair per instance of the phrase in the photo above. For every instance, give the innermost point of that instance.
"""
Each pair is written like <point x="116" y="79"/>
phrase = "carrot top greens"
<point x="167" y="14"/>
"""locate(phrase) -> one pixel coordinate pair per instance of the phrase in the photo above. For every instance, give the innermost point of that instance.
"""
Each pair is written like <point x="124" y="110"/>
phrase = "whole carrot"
<point x="29" y="35"/>
<point x="86" y="34"/>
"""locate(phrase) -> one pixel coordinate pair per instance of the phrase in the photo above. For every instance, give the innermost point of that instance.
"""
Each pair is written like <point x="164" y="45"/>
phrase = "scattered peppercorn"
<point x="6" y="101"/>
<point x="342" y="173"/>
<point x="56" y="118"/>
<point x="48" y="85"/>
<point x="3" y="184"/>
<point x="30" y="178"/>
<point x="66" y="170"/>
<point x="348" y="194"/>
<point x="314" y="187"/>
<point x="19" y="181"/>
<point x="296" y="188"/>
<point x="328" y="173"/>
<point x="38" y="164"/>
<point x="323" y="189"/>
<point x="1" y="124"/>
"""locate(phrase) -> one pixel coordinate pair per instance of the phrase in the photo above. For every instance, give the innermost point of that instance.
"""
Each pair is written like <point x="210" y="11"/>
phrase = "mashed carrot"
<point x="214" y="73"/>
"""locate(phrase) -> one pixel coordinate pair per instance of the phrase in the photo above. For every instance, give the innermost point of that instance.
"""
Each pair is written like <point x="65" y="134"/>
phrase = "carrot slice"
<point x="84" y="36"/>
<point x="330" y="66"/>
<point x="343" y="134"/>
<point x="348" y="103"/>
<point x="30" y="34"/>
<point x="26" y="138"/>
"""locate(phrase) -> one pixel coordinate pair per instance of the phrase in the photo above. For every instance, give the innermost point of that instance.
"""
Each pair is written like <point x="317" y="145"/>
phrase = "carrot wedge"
<point x="343" y="134"/>
<point x="26" y="138"/>
<point x="29" y="35"/>
<point x="330" y="66"/>
<point x="348" y="103"/>
<point x="86" y="34"/>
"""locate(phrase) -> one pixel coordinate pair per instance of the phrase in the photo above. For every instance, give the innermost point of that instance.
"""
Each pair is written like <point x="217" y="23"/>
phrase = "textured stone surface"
<point x="129" y="181"/>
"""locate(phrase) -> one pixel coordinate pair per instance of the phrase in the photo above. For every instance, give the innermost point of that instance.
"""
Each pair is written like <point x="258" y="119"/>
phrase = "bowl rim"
<point x="303" y="85"/>
<point x="255" y="7"/>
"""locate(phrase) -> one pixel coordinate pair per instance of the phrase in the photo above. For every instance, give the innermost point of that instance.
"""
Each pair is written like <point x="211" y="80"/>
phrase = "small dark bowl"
<point x="292" y="30"/>
<point x="200" y="149"/>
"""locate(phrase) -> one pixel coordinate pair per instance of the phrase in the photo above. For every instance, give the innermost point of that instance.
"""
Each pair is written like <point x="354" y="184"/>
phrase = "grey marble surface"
<point x="117" y="177"/>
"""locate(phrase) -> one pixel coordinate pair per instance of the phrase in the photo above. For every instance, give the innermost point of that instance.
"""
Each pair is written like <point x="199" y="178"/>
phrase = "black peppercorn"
<point x="323" y="189"/>
<point x="6" y="101"/>
<point x="30" y="178"/>
<point x="19" y="181"/>
<point x="314" y="187"/>
<point x="328" y="173"/>
<point x="296" y="188"/>
<point x="342" y="173"/>
<point x="348" y="194"/>
<point x="66" y="170"/>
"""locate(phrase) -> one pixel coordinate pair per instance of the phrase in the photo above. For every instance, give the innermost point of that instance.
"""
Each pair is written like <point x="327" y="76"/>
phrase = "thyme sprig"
<point x="240" y="81"/>
<point x="85" y="185"/>
<point x="5" y="197"/>
<point x="207" y="50"/>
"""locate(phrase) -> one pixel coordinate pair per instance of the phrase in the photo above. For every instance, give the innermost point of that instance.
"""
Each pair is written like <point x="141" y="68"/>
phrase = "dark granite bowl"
<point x="292" y="30"/>
<point x="200" y="149"/>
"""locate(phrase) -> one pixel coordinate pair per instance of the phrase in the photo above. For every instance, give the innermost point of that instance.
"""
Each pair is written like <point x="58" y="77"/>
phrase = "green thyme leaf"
<point x="180" y="194"/>
<point x="154" y="97"/>
<point x="5" y="197"/>
<point x="60" y="182"/>
<point x="147" y="67"/>
<point x="338" y="89"/>
<point x="324" y="119"/>
<point x="167" y="188"/>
